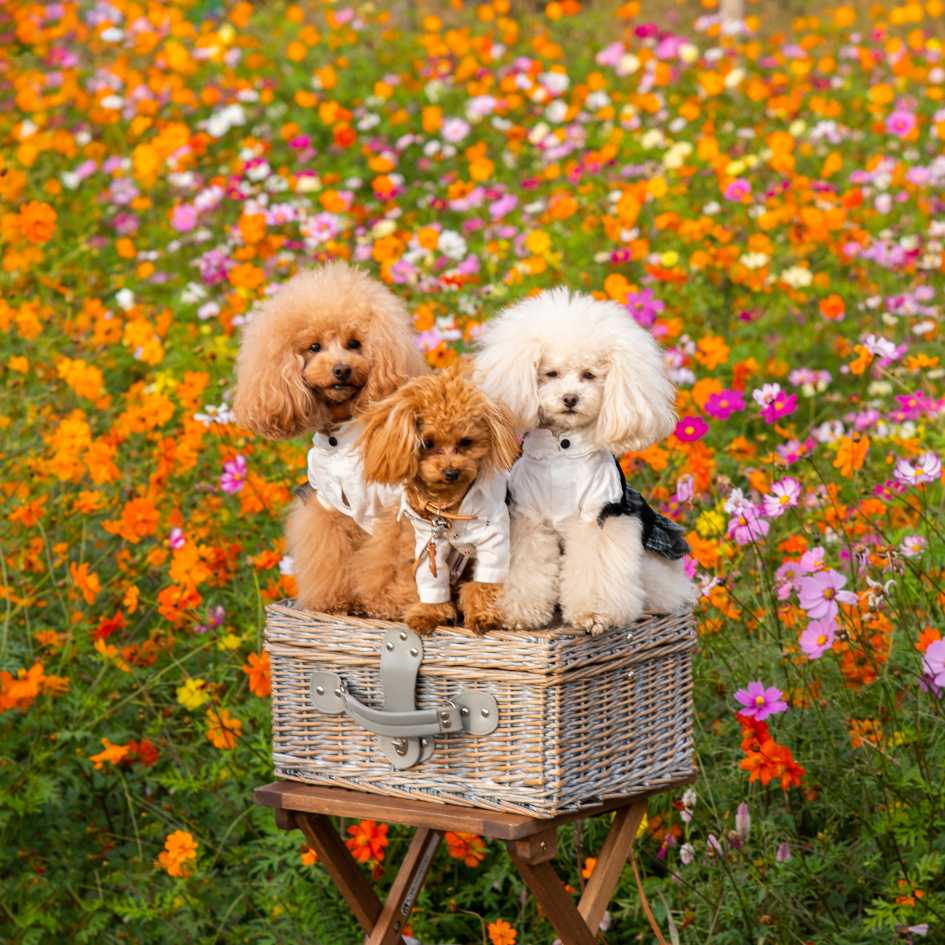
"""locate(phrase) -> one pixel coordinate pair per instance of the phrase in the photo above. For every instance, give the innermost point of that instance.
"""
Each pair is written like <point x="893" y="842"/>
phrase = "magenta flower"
<point x="760" y="702"/>
<point x="177" y="539"/>
<point x="927" y="468"/>
<point x="234" y="475"/>
<point x="820" y="594"/>
<point x="818" y="638"/>
<point x="783" y="853"/>
<point x="774" y="402"/>
<point x="644" y="307"/>
<point x="784" y="495"/>
<point x="746" y="526"/>
<point x="691" y="428"/>
<point x="901" y="122"/>
<point x="738" y="190"/>
<point x="723" y="404"/>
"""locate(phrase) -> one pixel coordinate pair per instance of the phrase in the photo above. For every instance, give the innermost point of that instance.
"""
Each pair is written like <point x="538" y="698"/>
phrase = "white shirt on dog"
<point x="336" y="474"/>
<point x="485" y="538"/>
<point x="560" y="476"/>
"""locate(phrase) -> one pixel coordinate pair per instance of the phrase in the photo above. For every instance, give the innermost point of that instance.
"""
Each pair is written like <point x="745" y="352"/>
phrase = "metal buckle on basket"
<point x="405" y="733"/>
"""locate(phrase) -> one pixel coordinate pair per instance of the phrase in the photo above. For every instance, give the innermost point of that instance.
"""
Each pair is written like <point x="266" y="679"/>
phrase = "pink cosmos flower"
<point x="685" y="488"/>
<point x="927" y="468"/>
<point x="454" y="130"/>
<point x="783" y="853"/>
<point x="183" y="218"/>
<point x="912" y="546"/>
<point x="787" y="576"/>
<point x="784" y="495"/>
<point x="900" y="123"/>
<point x="760" y="702"/>
<point x="723" y="404"/>
<point x="747" y="526"/>
<point x="933" y="663"/>
<point x="738" y="189"/>
<point x="234" y="475"/>
<point x="820" y="594"/>
<point x="774" y="402"/>
<point x="691" y="428"/>
<point x="818" y="638"/>
<point x="177" y="539"/>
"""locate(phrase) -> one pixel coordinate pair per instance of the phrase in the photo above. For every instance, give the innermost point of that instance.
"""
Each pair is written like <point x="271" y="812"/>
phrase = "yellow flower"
<point x="711" y="522"/>
<point x="193" y="694"/>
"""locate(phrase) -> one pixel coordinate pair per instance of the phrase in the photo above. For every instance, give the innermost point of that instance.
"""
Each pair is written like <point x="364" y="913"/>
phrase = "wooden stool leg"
<point x="342" y="867"/>
<point x="554" y="900"/>
<point x="610" y="863"/>
<point x="403" y="893"/>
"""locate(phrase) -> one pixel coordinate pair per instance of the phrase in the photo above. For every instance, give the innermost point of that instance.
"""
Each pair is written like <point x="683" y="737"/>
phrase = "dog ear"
<point x="503" y="435"/>
<point x="388" y="441"/>
<point x="392" y="347"/>
<point x="506" y="367"/>
<point x="271" y="398"/>
<point x="638" y="402"/>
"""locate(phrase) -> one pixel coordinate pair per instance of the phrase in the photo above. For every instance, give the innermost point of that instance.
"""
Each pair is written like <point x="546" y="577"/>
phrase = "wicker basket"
<point x="580" y="718"/>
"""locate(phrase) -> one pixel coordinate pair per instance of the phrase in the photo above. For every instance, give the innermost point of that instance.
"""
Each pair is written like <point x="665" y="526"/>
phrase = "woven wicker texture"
<point x="581" y="718"/>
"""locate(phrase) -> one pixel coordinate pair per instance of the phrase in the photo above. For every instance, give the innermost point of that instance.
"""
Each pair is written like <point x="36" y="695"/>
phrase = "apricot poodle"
<point x="450" y="448"/>
<point x="329" y="344"/>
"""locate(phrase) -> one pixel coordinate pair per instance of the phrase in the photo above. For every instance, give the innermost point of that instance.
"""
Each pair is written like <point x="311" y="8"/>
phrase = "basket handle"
<point x="473" y="712"/>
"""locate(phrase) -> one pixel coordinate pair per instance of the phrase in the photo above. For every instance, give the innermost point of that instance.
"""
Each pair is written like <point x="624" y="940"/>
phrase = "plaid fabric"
<point x="661" y="535"/>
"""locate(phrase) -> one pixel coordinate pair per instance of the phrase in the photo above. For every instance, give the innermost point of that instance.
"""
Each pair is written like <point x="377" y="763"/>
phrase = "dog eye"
<point x="465" y="443"/>
<point x="428" y="443"/>
<point x="551" y="373"/>
<point x="588" y="375"/>
<point x="315" y="346"/>
<point x="354" y="344"/>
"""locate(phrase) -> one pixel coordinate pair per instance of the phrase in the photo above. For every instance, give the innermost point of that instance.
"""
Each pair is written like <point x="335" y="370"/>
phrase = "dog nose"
<point x="341" y="372"/>
<point x="570" y="400"/>
<point x="451" y="475"/>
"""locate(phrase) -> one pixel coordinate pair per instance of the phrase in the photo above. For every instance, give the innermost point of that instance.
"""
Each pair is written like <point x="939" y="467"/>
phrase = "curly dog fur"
<point x="581" y="368"/>
<point x="326" y="346"/>
<point x="436" y="435"/>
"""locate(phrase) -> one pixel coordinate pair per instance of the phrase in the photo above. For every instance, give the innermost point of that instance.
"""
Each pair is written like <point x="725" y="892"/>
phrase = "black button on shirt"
<point x="565" y="444"/>
<point x="332" y="441"/>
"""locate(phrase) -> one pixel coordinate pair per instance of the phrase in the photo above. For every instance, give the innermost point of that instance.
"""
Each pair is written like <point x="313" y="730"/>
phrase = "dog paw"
<point x="595" y="624"/>
<point x="425" y="618"/>
<point x="478" y="602"/>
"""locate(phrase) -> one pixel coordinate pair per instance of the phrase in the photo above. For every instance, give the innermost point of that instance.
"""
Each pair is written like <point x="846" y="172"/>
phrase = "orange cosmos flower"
<point x="501" y="933"/>
<point x="111" y="754"/>
<point x="179" y="854"/>
<point x="468" y="847"/>
<point x="223" y="729"/>
<point x="37" y="222"/>
<point x="257" y="668"/>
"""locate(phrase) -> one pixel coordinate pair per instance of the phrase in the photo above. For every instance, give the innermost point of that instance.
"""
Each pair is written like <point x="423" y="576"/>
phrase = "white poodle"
<point x="587" y="383"/>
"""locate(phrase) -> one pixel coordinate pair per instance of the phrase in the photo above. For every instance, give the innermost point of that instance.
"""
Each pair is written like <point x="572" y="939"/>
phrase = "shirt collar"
<point x="483" y="497"/>
<point x="544" y="444"/>
<point x="343" y="437"/>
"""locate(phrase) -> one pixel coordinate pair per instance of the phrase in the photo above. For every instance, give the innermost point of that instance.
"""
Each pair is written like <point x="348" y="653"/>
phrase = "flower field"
<point x="767" y="198"/>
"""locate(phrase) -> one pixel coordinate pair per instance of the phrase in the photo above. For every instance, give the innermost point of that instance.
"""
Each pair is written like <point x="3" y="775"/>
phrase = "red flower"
<point x="367" y="841"/>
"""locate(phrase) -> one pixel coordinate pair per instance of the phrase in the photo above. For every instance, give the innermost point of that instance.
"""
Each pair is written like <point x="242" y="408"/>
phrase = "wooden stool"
<point x="532" y="843"/>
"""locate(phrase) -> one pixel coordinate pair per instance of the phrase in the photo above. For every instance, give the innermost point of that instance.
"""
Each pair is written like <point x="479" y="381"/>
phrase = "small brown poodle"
<point x="451" y="448"/>
<point x="329" y="344"/>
